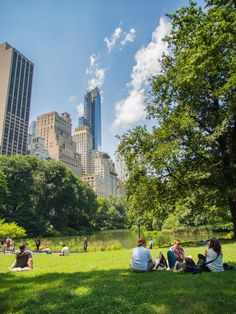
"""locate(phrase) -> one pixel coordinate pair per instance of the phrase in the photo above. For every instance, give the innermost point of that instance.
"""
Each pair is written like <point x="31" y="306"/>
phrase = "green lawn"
<point x="101" y="282"/>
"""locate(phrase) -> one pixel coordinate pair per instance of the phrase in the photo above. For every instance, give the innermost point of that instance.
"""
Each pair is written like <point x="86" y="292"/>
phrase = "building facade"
<point x="37" y="148"/>
<point x="56" y="129"/>
<point x="104" y="167"/>
<point x="92" y="116"/>
<point x="16" y="75"/>
<point x="83" y="139"/>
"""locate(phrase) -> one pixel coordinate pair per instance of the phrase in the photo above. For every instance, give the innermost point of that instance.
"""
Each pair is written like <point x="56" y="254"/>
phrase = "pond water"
<point x="128" y="238"/>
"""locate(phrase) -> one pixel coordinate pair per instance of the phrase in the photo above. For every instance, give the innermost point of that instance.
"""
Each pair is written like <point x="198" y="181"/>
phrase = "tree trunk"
<point x="232" y="206"/>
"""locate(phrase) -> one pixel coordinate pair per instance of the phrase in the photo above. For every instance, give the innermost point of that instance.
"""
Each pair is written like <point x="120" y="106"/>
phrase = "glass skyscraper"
<point x="92" y="116"/>
<point x="16" y="74"/>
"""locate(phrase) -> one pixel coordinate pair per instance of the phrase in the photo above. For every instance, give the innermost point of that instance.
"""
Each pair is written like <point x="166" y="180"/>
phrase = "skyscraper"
<point x="83" y="139"/>
<point x="16" y="74"/>
<point x="55" y="129"/>
<point x="92" y="113"/>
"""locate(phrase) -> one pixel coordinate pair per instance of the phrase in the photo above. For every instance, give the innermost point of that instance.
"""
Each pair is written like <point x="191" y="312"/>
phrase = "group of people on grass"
<point x="141" y="260"/>
<point x="24" y="258"/>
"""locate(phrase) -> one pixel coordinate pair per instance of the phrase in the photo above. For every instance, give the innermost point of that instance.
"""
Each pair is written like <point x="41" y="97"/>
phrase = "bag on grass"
<point x="202" y="264"/>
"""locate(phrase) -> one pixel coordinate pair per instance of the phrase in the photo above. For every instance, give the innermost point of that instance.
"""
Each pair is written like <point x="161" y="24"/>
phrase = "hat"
<point x="141" y="241"/>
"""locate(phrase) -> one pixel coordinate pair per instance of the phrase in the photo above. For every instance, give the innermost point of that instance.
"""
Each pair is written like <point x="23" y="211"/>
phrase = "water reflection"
<point x="128" y="238"/>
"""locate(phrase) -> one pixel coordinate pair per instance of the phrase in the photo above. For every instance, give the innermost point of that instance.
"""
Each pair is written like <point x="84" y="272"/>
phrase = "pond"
<point x="128" y="238"/>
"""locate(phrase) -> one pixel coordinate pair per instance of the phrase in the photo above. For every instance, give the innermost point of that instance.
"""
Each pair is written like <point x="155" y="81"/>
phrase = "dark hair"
<point x="22" y="247"/>
<point x="215" y="245"/>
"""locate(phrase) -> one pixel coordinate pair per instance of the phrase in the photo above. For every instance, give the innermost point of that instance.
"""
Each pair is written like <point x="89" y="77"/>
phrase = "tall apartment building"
<point x="83" y="139"/>
<point x="55" y="129"/>
<point x="92" y="116"/>
<point x="104" y="167"/>
<point x="16" y="74"/>
<point x="120" y="167"/>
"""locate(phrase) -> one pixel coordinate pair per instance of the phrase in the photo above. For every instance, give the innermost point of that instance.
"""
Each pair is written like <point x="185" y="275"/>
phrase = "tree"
<point x="44" y="197"/>
<point x="3" y="188"/>
<point x="111" y="213"/>
<point x="192" y="148"/>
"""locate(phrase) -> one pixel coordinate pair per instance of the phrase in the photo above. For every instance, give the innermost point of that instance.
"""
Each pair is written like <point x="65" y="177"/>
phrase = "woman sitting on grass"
<point x="214" y="255"/>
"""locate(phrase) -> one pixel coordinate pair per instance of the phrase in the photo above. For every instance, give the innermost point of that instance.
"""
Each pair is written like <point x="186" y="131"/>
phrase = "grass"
<point x="100" y="282"/>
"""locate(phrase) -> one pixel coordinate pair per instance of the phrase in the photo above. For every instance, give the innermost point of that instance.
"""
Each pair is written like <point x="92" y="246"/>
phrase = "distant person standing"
<point x="150" y="244"/>
<point x="85" y="244"/>
<point x="37" y="243"/>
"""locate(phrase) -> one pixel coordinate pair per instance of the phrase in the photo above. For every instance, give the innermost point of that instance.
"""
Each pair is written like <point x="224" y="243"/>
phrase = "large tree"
<point x="192" y="148"/>
<point x="44" y="196"/>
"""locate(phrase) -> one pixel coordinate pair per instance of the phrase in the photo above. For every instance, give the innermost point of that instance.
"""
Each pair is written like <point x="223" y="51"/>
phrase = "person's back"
<point x="65" y="251"/>
<point x="141" y="259"/>
<point x="217" y="264"/>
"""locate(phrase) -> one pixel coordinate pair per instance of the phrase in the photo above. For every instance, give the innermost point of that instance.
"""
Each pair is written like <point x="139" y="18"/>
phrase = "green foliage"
<point x="11" y="230"/>
<point x="189" y="157"/>
<point x="44" y="197"/>
<point x="229" y="236"/>
<point x="3" y="188"/>
<point x="111" y="213"/>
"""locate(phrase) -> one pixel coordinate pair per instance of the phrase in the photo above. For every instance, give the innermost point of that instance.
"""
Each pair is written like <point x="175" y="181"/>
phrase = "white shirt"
<point x="140" y="257"/>
<point x="65" y="251"/>
<point x="216" y="265"/>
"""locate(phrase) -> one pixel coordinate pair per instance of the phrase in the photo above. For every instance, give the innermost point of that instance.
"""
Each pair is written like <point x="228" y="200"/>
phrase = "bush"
<point x="11" y="230"/>
<point x="229" y="235"/>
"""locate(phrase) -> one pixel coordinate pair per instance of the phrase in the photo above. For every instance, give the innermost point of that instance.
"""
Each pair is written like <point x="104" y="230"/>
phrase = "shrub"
<point x="11" y="230"/>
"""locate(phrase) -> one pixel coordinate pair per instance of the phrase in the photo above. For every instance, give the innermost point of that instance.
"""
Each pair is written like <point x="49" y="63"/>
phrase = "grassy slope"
<point x="101" y="282"/>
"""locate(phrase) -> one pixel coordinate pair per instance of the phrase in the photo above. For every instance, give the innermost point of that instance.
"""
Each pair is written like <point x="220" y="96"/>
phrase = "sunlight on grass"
<point x="81" y="291"/>
<point x="101" y="282"/>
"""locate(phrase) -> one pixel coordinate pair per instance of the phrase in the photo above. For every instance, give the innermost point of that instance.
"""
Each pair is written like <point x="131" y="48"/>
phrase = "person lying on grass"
<point x="141" y="259"/>
<point x="24" y="260"/>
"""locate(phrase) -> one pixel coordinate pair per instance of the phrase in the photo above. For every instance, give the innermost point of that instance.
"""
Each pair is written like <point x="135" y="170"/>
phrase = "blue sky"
<point x="77" y="44"/>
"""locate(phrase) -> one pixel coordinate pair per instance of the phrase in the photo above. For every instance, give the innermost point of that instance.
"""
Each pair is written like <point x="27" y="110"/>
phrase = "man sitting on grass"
<point x="65" y="250"/>
<point x="24" y="260"/>
<point x="141" y="260"/>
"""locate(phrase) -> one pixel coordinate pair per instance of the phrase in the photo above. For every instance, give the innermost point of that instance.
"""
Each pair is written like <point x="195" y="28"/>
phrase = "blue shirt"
<point x="140" y="258"/>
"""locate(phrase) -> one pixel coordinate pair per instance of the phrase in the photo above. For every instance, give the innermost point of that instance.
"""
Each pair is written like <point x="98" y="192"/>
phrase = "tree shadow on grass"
<point x="118" y="291"/>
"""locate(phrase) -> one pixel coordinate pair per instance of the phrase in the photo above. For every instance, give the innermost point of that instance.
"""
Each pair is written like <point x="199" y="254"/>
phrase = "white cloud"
<point x="79" y="106"/>
<point x="129" y="37"/>
<point x="132" y="109"/>
<point x="112" y="41"/>
<point x="98" y="78"/>
<point x="93" y="59"/>
<point x="96" y="73"/>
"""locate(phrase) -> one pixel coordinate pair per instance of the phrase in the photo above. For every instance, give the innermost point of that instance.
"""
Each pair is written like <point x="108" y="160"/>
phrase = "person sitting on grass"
<point x="214" y="256"/>
<point x="24" y="260"/>
<point x="175" y="253"/>
<point x="161" y="263"/>
<point x="141" y="259"/>
<point x="65" y="251"/>
<point x="178" y="251"/>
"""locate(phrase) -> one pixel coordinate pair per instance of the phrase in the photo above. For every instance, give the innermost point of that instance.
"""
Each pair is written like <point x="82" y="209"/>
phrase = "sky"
<point x="76" y="45"/>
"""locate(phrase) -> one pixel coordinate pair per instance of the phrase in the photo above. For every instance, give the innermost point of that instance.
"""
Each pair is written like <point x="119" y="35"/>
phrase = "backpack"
<point x="202" y="264"/>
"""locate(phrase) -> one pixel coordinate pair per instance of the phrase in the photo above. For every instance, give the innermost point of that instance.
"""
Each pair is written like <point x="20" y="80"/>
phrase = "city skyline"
<point x="76" y="46"/>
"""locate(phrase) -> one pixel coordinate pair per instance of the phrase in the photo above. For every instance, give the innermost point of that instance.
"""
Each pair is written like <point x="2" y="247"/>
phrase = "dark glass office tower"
<point x="16" y="74"/>
<point x="92" y="113"/>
